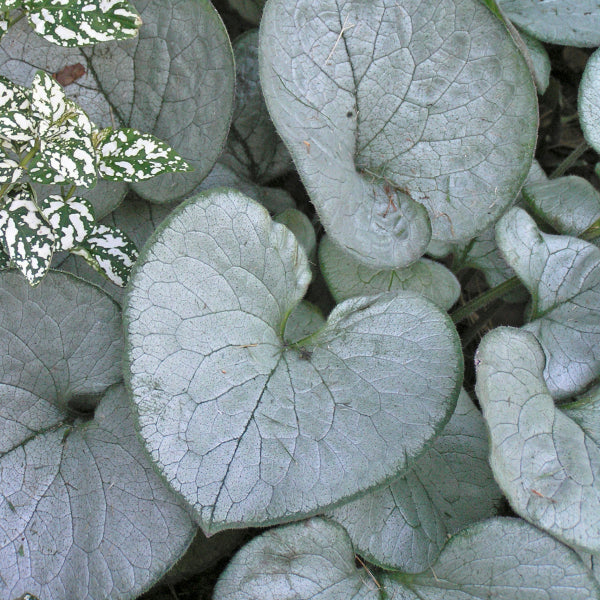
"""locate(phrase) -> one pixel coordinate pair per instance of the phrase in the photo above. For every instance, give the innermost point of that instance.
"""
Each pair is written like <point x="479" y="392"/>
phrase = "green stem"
<point x="484" y="299"/>
<point x="24" y="162"/>
<point x="68" y="195"/>
<point x="16" y="19"/>
<point x="592" y="232"/>
<point x="570" y="160"/>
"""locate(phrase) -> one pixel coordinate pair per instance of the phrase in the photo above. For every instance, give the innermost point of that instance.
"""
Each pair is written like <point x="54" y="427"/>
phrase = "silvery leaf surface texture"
<point x="405" y="524"/>
<point x="402" y="118"/>
<point x="562" y="274"/>
<point x="499" y="558"/>
<point x="589" y="101"/>
<point x="568" y="22"/>
<point x="347" y="277"/>
<point x="175" y="81"/>
<point x="252" y="428"/>
<point x="82" y="512"/>
<point x="546" y="460"/>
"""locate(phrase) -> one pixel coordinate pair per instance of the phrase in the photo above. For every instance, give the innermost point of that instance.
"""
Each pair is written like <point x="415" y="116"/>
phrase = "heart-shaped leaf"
<point x="405" y="524"/>
<point x="391" y="107"/>
<point x="589" y="101"/>
<point x="501" y="559"/>
<point x="253" y="147"/>
<point x="562" y="275"/>
<point x="568" y="22"/>
<point x="82" y="512"/>
<point x="247" y="426"/>
<point x="347" y="277"/>
<point x="546" y="463"/>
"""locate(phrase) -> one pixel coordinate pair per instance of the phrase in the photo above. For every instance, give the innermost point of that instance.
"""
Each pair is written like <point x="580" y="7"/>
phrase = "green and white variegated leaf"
<point x="66" y="344"/>
<point x="109" y="251"/>
<point x="72" y="221"/>
<point x="13" y="97"/>
<point x="399" y="118"/>
<point x="304" y="561"/>
<point x="540" y="61"/>
<point x="589" y="100"/>
<point x="128" y="155"/>
<point x="48" y="101"/>
<point x="347" y="277"/>
<point x="84" y="515"/>
<point x="25" y="234"/>
<point x="4" y="259"/>
<point x="405" y="524"/>
<point x="254" y="149"/>
<point x="299" y="224"/>
<point x="569" y="204"/>
<point x="65" y="161"/>
<point x="313" y="424"/>
<point x="562" y="274"/>
<point x="567" y="22"/>
<point x="74" y="23"/>
<point x="17" y="127"/>
<point x="10" y="172"/>
<point x="499" y="558"/>
<point x="544" y="461"/>
<point x="251" y="10"/>
<point x="136" y="218"/>
<point x="177" y="84"/>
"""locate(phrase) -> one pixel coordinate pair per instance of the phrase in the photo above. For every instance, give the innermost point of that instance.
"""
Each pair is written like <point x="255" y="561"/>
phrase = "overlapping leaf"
<point x="72" y="221"/>
<point x="502" y="559"/>
<point x="82" y="512"/>
<point x="589" y="101"/>
<point x="74" y="23"/>
<point x="25" y="234"/>
<point x="545" y="460"/>
<point x="389" y="108"/>
<point x="295" y="427"/>
<point x="347" y="277"/>
<point x="568" y="22"/>
<point x="405" y="524"/>
<point x="562" y="274"/>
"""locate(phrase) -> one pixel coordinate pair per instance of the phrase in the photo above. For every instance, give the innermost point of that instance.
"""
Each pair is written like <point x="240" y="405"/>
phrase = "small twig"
<point x="364" y="566"/>
<point x="570" y="160"/>
<point x="345" y="28"/>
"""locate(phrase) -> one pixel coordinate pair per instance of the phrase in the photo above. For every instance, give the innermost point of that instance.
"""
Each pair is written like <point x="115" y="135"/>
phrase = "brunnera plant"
<point x="263" y="386"/>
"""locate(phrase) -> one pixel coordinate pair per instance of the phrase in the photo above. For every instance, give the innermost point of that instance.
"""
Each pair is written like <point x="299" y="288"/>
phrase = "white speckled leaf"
<point x="25" y="234"/>
<point x="109" y="251"/>
<point x="569" y="204"/>
<point x="499" y="559"/>
<point x="48" y="100"/>
<point x="568" y="22"/>
<point x="562" y="275"/>
<point x="65" y="161"/>
<point x="253" y="147"/>
<point x="71" y="221"/>
<point x="22" y="54"/>
<point x="311" y="560"/>
<point x="82" y="22"/>
<point x="175" y="80"/>
<point x="545" y="463"/>
<point x="10" y="172"/>
<point x="503" y="559"/>
<point x="589" y="100"/>
<point x="389" y="108"/>
<point x="82" y="512"/>
<point x="405" y="524"/>
<point x="294" y="427"/>
<point x="347" y="277"/>
<point x="66" y="341"/>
